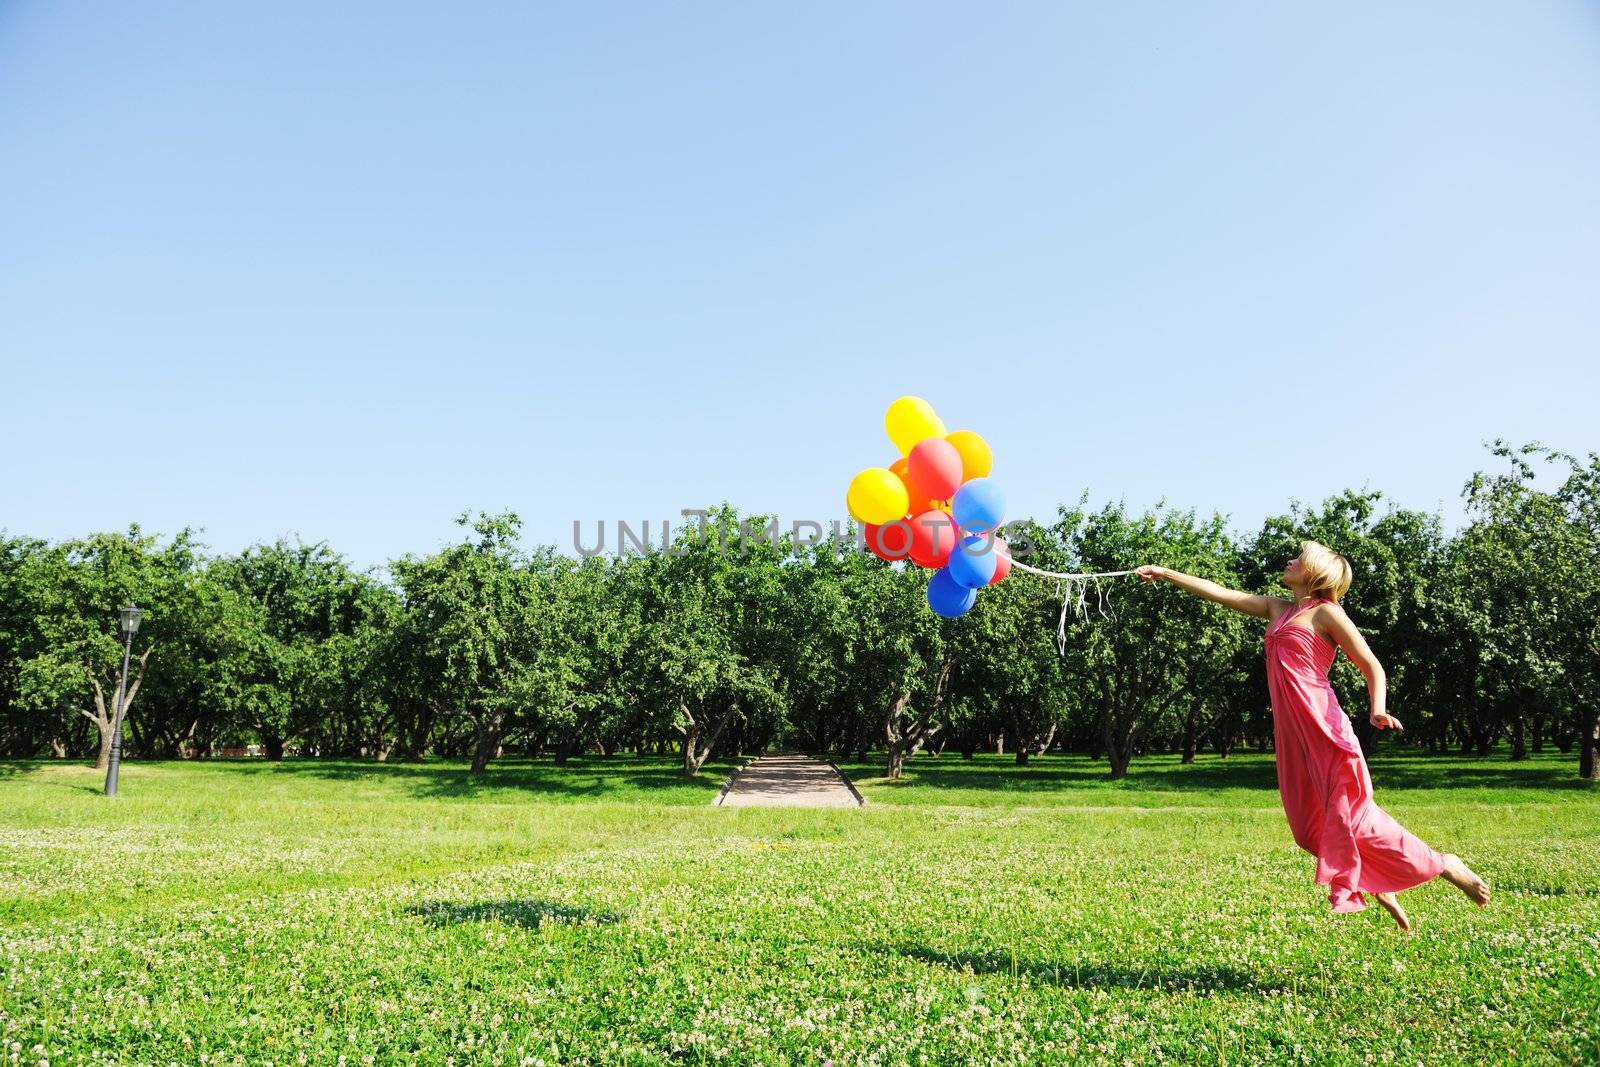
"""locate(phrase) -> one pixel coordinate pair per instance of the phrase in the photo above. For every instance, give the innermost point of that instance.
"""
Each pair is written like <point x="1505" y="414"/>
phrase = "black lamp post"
<point x="128" y="625"/>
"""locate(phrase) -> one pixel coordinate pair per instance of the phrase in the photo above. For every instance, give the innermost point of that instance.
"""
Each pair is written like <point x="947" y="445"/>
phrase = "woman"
<point x="1322" y="777"/>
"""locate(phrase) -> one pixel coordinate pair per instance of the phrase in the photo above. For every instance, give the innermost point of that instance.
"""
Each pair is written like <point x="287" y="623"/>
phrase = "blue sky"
<point x="347" y="270"/>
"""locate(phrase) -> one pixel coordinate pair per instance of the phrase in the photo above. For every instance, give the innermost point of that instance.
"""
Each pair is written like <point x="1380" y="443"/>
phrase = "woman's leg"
<point x="1393" y="858"/>
<point x="1391" y="904"/>
<point x="1462" y="877"/>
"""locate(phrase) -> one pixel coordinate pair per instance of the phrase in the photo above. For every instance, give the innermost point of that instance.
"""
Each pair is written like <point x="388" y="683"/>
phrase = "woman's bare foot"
<point x="1461" y="876"/>
<point x="1391" y="904"/>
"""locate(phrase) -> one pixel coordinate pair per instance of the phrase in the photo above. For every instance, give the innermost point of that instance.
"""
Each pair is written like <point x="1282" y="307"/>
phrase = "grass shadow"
<point x="1053" y="773"/>
<point x="1397" y="775"/>
<point x="528" y="912"/>
<point x="590" y="777"/>
<point x="1165" y="772"/>
<point x="1503" y="886"/>
<point x="1076" y="974"/>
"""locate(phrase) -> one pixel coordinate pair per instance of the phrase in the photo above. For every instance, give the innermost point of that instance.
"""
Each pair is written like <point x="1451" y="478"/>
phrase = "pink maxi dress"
<point x="1323" y="779"/>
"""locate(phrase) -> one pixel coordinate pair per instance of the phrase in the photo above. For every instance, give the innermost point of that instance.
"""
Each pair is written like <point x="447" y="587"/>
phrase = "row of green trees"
<point x="726" y="645"/>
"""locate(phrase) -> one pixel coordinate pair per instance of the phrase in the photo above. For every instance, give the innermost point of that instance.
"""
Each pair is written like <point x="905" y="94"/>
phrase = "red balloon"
<point x="918" y="504"/>
<point x="891" y="541"/>
<point x="1002" y="560"/>
<point x="933" y="470"/>
<point x="933" y="538"/>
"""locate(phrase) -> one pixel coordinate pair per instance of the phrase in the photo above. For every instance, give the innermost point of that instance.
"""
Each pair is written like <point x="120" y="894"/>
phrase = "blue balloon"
<point x="978" y="506"/>
<point x="973" y="562"/>
<point x="948" y="599"/>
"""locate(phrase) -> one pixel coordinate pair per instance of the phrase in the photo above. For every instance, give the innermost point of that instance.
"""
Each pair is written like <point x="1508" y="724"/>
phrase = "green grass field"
<point x="327" y="912"/>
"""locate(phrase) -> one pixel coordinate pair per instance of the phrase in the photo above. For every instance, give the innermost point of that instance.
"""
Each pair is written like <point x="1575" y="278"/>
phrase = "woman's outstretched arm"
<point x="1246" y="603"/>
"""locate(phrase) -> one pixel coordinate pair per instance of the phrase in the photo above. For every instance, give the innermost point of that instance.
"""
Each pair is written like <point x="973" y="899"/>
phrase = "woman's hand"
<point x="1383" y="720"/>
<point x="1246" y="603"/>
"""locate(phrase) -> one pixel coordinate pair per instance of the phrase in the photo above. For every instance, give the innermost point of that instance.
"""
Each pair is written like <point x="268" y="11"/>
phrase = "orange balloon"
<point x="917" y="507"/>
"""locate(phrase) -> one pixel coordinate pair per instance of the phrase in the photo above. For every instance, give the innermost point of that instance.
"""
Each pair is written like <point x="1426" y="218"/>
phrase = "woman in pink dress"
<point x="1322" y="777"/>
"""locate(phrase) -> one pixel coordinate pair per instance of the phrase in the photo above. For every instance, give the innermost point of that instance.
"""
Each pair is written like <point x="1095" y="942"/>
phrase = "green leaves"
<point x="60" y="641"/>
<point x="729" y="640"/>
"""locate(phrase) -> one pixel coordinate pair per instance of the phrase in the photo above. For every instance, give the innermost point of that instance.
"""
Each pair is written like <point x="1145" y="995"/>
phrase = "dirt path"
<point x="788" y="781"/>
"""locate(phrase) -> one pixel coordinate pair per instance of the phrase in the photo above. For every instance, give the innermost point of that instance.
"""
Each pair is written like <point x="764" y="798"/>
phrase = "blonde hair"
<point x="1327" y="572"/>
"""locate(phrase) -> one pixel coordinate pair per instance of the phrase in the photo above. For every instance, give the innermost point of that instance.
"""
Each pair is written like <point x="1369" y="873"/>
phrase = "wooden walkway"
<point x="788" y="781"/>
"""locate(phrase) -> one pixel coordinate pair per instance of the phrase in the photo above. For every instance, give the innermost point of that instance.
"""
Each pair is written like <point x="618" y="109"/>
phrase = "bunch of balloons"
<point x="936" y="506"/>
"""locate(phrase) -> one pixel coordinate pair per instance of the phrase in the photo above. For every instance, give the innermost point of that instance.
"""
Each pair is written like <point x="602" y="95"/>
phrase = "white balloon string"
<point x="1073" y="590"/>
<point x="1059" y="574"/>
<point x="1061" y="623"/>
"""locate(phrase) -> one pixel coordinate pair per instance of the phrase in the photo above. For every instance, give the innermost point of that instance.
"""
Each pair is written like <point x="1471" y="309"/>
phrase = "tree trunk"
<point x="571" y="744"/>
<point x="413" y="742"/>
<point x="695" y="754"/>
<point x="898" y="737"/>
<point x="274" y="746"/>
<point x="1191" y="736"/>
<point x="1519" y="742"/>
<point x="905" y="739"/>
<point x="102" y="717"/>
<point x="1119" y="746"/>
<point x="488" y="742"/>
<point x="1588" y="765"/>
<point x="691" y="766"/>
<point x="102" y="762"/>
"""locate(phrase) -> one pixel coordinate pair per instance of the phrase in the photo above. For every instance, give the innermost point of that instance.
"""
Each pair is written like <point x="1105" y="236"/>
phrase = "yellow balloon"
<point x="976" y="459"/>
<point x="877" y="496"/>
<point x="909" y="420"/>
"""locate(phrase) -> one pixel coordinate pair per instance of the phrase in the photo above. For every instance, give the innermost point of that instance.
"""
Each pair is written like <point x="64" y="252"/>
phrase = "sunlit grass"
<point x="605" y="912"/>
